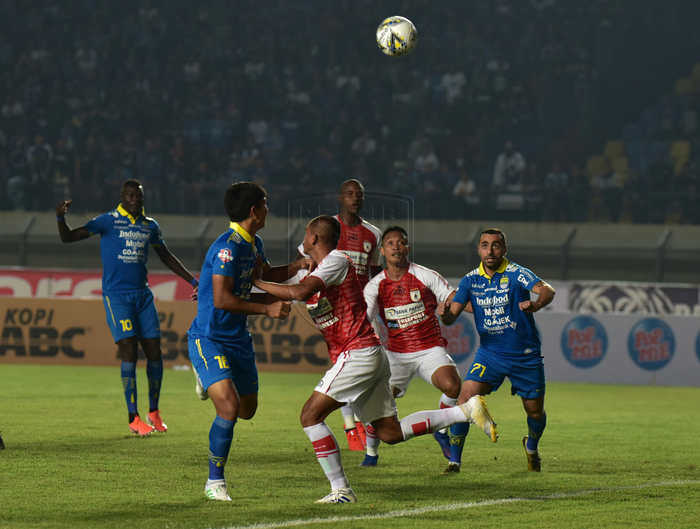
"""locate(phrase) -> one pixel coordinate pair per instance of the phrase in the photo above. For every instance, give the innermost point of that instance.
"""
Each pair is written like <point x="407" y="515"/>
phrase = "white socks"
<point x="328" y="454"/>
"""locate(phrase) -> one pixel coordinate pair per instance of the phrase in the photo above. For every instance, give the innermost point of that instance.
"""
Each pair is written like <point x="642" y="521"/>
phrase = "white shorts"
<point x="425" y="363"/>
<point x="361" y="378"/>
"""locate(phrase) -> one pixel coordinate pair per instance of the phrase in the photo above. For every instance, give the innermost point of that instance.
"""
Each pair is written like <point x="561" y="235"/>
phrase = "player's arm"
<point x="456" y="302"/>
<point x="279" y="274"/>
<point x="371" y="293"/>
<point x="546" y="295"/>
<point x="172" y="262"/>
<point x="299" y="292"/>
<point x="67" y="234"/>
<point x="222" y="288"/>
<point x="449" y="311"/>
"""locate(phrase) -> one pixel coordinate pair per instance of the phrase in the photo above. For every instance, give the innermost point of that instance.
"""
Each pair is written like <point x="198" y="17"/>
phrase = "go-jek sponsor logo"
<point x="461" y="337"/>
<point x="651" y="344"/>
<point x="584" y="342"/>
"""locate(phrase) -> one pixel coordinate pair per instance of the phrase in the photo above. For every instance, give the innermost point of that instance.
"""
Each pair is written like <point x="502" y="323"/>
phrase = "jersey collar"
<point x="240" y="231"/>
<point x="125" y="213"/>
<point x="500" y="270"/>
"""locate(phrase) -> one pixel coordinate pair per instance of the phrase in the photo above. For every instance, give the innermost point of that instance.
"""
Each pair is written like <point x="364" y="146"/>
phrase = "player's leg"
<point x="536" y="423"/>
<point x="154" y="373"/>
<point x="228" y="405"/>
<point x="437" y="368"/>
<point x="313" y="416"/>
<point x="352" y="431"/>
<point x="216" y="364"/>
<point x="402" y="371"/>
<point x="149" y="332"/>
<point x="122" y="318"/>
<point x="128" y="350"/>
<point x="527" y="379"/>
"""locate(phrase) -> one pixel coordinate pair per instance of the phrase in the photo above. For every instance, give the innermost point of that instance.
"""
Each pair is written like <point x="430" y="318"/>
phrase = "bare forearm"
<point x="237" y="305"/>
<point x="176" y="266"/>
<point x="545" y="297"/>
<point x="279" y="274"/>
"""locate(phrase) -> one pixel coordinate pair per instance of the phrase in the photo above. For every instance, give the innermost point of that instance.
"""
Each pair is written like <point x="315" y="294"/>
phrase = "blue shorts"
<point x="525" y="372"/>
<point x="132" y="314"/>
<point x="215" y="361"/>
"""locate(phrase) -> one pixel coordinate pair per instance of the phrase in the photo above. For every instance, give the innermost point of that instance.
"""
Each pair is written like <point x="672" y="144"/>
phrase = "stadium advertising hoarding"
<point x="74" y="332"/>
<point x="66" y="284"/>
<point x="618" y="349"/>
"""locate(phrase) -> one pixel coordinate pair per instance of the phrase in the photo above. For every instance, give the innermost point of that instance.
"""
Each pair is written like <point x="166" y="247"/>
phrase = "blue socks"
<point x="458" y="432"/>
<point x="129" y="385"/>
<point x="220" y="437"/>
<point x="534" y="432"/>
<point x="154" y="372"/>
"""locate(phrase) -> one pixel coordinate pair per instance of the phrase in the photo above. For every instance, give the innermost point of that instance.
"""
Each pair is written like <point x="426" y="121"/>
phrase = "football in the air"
<point x="397" y="36"/>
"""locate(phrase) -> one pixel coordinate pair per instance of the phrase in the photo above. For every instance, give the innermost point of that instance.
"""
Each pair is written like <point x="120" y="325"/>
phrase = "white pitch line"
<point x="454" y="506"/>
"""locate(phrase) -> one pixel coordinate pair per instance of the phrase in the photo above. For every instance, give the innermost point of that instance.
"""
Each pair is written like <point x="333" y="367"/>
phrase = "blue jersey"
<point x="124" y="248"/>
<point x="503" y="328"/>
<point x="232" y="255"/>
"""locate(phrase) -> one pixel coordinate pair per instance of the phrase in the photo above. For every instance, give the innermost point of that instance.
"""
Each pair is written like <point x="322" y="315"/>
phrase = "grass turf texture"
<point x="607" y="451"/>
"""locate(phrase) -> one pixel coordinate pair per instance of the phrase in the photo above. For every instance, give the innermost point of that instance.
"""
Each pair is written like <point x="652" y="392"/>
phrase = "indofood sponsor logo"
<point x="461" y="337"/>
<point x="651" y="344"/>
<point x="584" y="342"/>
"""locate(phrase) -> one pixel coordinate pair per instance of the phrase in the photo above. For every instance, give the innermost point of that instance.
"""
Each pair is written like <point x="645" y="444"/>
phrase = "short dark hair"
<point x="327" y="228"/>
<point x="240" y="198"/>
<point x="349" y="182"/>
<point x="394" y="228"/>
<point x="494" y="231"/>
<point x="132" y="182"/>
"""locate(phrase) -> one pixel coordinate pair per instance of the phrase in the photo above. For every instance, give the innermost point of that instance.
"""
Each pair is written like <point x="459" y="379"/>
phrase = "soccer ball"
<point x="397" y="36"/>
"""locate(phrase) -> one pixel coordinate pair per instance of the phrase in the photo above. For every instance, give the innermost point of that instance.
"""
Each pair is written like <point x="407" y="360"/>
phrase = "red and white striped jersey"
<point x="361" y="244"/>
<point x="408" y="308"/>
<point x="339" y="310"/>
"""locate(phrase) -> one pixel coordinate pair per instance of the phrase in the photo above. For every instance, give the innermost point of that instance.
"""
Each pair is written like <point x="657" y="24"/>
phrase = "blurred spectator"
<point x="556" y="188"/>
<point x="508" y="173"/>
<point x="40" y="156"/>
<point x="578" y="195"/>
<point x="607" y="185"/>
<point x="465" y="190"/>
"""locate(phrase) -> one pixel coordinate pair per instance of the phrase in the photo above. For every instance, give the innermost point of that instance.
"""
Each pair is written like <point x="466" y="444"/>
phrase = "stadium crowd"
<point x="190" y="97"/>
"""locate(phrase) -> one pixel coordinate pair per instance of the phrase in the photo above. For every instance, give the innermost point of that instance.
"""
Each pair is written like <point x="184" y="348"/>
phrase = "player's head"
<point x="131" y="197"/>
<point x="352" y="196"/>
<point x="492" y="248"/>
<point x="395" y="247"/>
<point x="246" y="200"/>
<point x="323" y="231"/>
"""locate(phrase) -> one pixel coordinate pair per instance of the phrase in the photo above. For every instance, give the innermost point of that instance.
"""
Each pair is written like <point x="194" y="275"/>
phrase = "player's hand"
<point x="62" y="208"/>
<point x="529" y="306"/>
<point x="193" y="296"/>
<point x="308" y="264"/>
<point x="442" y="309"/>
<point x="279" y="309"/>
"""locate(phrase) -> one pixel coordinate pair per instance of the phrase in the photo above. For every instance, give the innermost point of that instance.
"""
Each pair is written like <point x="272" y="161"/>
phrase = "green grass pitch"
<point x="612" y="456"/>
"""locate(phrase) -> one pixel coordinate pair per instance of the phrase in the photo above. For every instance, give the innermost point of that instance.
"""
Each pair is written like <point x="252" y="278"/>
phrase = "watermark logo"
<point x="651" y="344"/>
<point x="584" y="342"/>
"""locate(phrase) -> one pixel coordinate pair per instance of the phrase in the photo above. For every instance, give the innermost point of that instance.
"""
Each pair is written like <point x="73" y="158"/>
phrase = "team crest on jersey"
<point x="114" y="213"/>
<point x="225" y="255"/>
<point x="415" y="295"/>
<point x="504" y="282"/>
<point x="367" y="245"/>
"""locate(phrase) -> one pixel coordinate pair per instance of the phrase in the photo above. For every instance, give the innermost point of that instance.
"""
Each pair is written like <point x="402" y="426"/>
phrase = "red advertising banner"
<point x="67" y="284"/>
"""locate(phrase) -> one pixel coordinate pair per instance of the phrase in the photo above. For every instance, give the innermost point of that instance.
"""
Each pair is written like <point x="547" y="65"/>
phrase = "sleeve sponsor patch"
<point x="225" y="256"/>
